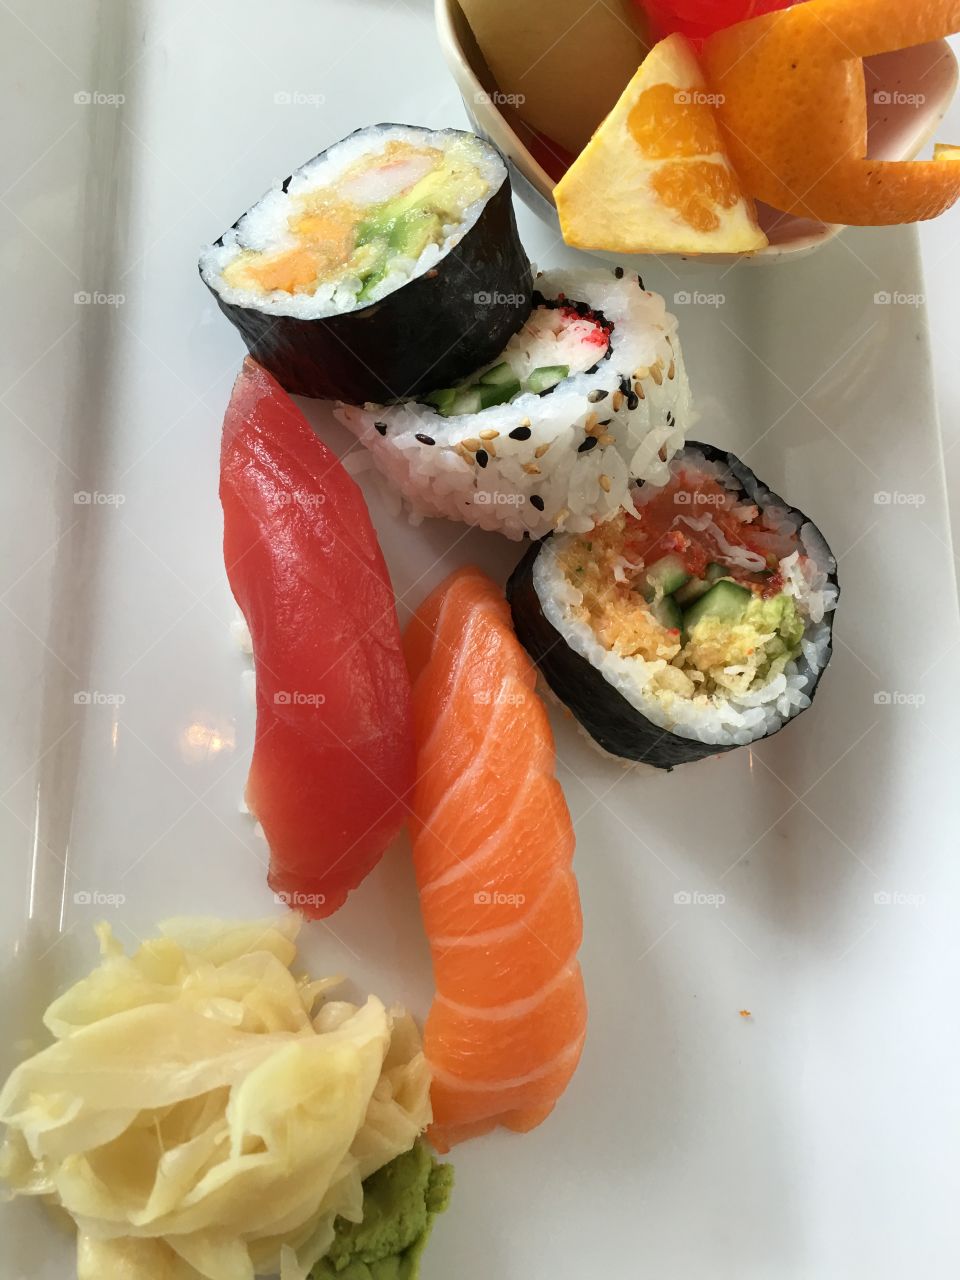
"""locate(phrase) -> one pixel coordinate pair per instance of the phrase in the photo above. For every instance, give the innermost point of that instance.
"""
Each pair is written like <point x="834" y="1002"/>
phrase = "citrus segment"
<point x="698" y="192"/>
<point x="655" y="177"/>
<point x="791" y="103"/>
<point x="663" y="125"/>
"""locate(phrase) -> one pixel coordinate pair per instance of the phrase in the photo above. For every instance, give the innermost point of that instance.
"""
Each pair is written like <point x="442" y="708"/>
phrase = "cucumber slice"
<point x="547" y="376"/>
<point x="442" y="400"/>
<point x="698" y="587"/>
<point x="727" y="601"/>
<point x="663" y="577"/>
<point x="691" y="591"/>
<point x="501" y="375"/>
<point x="467" y="401"/>
<point x="667" y="613"/>
<point x="490" y="395"/>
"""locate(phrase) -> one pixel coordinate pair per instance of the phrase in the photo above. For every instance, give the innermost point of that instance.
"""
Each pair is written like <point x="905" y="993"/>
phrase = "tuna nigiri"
<point x="492" y="848"/>
<point x="333" y="758"/>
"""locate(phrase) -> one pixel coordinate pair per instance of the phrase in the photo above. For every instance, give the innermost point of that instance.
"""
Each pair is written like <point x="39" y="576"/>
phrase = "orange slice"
<point x="655" y="177"/>
<point x="792" y="106"/>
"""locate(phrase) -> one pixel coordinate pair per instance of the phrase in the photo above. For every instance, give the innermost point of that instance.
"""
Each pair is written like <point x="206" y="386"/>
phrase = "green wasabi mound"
<point x="400" y="1203"/>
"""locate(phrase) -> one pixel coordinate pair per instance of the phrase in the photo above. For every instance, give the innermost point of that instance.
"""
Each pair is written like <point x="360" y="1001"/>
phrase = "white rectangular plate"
<point x="812" y="881"/>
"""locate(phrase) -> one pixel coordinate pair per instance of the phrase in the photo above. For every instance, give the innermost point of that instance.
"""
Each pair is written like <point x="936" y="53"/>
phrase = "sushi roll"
<point x="696" y="621"/>
<point x="548" y="434"/>
<point x="389" y="262"/>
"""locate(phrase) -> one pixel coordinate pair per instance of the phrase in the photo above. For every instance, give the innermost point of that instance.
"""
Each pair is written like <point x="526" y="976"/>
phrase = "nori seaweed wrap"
<point x="698" y="621"/>
<point x="388" y="265"/>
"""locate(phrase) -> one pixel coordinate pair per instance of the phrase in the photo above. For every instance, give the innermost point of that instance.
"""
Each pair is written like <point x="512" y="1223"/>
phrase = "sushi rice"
<point x="734" y="719"/>
<point x="564" y="458"/>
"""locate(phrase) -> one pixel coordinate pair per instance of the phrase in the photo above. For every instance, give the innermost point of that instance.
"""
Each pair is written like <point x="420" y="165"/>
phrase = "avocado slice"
<point x="413" y="231"/>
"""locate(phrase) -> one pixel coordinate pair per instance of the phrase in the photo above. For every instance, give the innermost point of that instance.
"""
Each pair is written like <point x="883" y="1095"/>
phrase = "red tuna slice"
<point x="334" y="757"/>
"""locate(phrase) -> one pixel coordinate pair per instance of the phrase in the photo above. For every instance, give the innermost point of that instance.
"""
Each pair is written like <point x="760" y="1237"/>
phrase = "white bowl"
<point x="899" y="127"/>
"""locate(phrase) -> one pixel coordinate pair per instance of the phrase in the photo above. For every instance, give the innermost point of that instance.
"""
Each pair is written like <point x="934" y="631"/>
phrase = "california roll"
<point x="590" y="394"/>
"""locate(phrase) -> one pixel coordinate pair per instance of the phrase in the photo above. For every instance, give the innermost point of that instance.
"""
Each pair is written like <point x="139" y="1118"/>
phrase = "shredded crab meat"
<point x="556" y="336"/>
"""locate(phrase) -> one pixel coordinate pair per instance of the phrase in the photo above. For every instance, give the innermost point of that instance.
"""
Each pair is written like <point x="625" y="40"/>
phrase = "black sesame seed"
<point x="381" y="427"/>
<point x="625" y="386"/>
<point x="618" y="272"/>
<point x="632" y="401"/>
<point x="536" y="501"/>
<point x="605" y="423"/>
<point x="593" y="368"/>
<point x="671" y="420"/>
<point x="482" y="457"/>
<point x="596" y="396"/>
<point x="640" y="283"/>
<point x="588" y="444"/>
<point x="520" y="433"/>
<point x="424" y="439"/>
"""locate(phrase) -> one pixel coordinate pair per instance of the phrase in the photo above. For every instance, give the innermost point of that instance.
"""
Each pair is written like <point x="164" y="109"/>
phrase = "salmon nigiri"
<point x="333" y="758"/>
<point x="492" y="848"/>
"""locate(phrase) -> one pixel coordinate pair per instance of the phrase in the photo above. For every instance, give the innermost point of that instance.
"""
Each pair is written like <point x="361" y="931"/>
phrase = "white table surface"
<point x="940" y="245"/>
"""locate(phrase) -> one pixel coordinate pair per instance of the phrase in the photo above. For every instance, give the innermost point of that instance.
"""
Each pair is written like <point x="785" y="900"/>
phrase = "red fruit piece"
<point x="697" y="19"/>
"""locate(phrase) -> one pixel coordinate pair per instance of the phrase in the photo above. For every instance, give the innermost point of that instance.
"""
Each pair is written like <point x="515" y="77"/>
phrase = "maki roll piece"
<point x="389" y="262"/>
<point x="696" y="621"/>
<point x="590" y="394"/>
